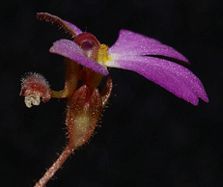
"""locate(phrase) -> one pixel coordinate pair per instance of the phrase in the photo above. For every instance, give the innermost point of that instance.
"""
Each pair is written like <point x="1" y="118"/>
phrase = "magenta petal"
<point x="72" y="27"/>
<point x="173" y="77"/>
<point x="67" y="26"/>
<point x="130" y="43"/>
<point x="71" y="50"/>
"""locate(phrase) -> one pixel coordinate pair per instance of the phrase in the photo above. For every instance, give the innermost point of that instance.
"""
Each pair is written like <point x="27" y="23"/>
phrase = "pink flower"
<point x="87" y="61"/>
<point x="134" y="52"/>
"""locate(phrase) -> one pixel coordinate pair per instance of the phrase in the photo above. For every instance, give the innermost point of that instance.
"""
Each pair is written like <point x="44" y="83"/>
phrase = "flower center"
<point x="89" y="43"/>
<point x="92" y="47"/>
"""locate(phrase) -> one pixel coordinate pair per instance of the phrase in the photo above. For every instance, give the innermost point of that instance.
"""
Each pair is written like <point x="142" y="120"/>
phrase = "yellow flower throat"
<point x="103" y="56"/>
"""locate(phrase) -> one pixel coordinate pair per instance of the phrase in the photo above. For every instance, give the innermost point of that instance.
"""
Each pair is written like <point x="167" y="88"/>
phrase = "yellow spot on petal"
<point x="103" y="55"/>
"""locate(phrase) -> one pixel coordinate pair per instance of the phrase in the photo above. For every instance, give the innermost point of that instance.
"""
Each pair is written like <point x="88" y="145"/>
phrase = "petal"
<point x="67" y="26"/>
<point x="71" y="50"/>
<point x="72" y="27"/>
<point x="130" y="43"/>
<point x="173" y="77"/>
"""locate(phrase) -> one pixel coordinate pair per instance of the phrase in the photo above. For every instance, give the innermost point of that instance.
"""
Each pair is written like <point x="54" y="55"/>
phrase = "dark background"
<point x="147" y="137"/>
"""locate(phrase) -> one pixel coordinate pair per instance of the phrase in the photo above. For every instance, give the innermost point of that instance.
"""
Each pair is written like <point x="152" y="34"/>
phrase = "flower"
<point x="134" y="52"/>
<point x="87" y="61"/>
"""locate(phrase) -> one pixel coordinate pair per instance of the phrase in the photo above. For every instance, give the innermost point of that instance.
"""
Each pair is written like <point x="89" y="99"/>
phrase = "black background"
<point x="147" y="136"/>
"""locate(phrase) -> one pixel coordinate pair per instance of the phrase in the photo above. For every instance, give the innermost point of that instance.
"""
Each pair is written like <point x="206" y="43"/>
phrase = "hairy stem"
<point x="56" y="165"/>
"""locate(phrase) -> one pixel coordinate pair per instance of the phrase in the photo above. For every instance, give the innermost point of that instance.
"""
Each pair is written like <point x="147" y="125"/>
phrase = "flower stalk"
<point x="56" y="165"/>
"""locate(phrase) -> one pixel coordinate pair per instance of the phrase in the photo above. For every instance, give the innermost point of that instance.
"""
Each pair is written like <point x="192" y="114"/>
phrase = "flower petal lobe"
<point x="71" y="50"/>
<point x="173" y="77"/>
<point x="130" y="43"/>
